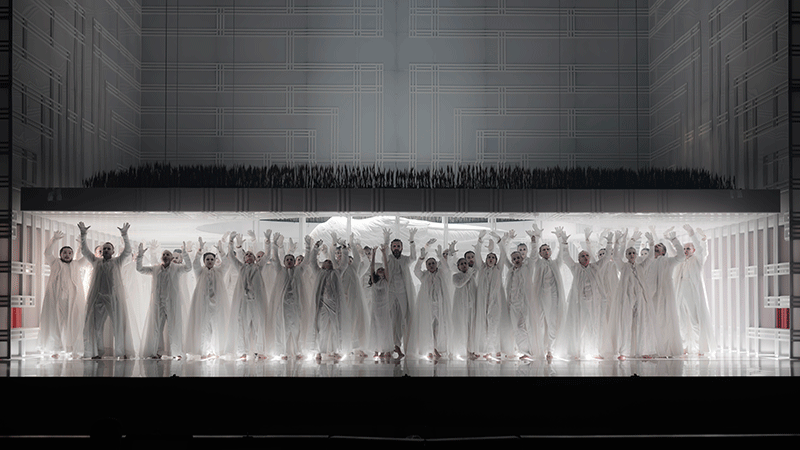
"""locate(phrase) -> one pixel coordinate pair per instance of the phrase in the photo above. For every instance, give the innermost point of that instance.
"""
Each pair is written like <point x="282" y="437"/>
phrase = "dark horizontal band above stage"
<point x="402" y="200"/>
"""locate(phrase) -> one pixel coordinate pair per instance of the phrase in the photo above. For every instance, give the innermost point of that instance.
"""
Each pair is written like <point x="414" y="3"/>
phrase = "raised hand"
<point x="422" y="252"/>
<point x="232" y="236"/>
<point x="587" y="232"/>
<point x="58" y="235"/>
<point x="702" y="234"/>
<point x="649" y="236"/>
<point x="387" y="234"/>
<point x="637" y="235"/>
<point x="124" y="228"/>
<point x="411" y="233"/>
<point x="267" y="235"/>
<point x="610" y="237"/>
<point x="279" y="239"/>
<point x="669" y="234"/>
<point x="141" y="249"/>
<point x="430" y="242"/>
<point x="491" y="245"/>
<point x="291" y="246"/>
<point x="83" y="227"/>
<point x="689" y="229"/>
<point x="618" y="235"/>
<point x="481" y="235"/>
<point x="308" y="241"/>
<point x="452" y="248"/>
<point x="187" y="247"/>
<point x="252" y="235"/>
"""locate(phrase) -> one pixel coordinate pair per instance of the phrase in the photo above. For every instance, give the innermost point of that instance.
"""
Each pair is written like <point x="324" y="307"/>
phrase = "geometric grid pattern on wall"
<point x="719" y="90"/>
<point x="413" y="83"/>
<point x="76" y="87"/>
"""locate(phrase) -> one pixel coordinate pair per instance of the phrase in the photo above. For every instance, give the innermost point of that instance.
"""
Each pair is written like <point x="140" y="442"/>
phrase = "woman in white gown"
<point x="380" y="323"/>
<point x="206" y="326"/>
<point x="64" y="303"/>
<point x="490" y="300"/>
<point x="695" y="317"/>
<point x="430" y="323"/>
<point x="354" y="316"/>
<point x="328" y="298"/>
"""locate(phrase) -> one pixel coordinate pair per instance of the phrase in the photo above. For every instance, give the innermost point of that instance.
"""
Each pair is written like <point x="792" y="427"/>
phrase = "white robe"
<point x="430" y="323"/>
<point x="291" y="315"/>
<point x="660" y="278"/>
<point x="354" y="316"/>
<point x="548" y="292"/>
<point x="462" y="319"/>
<point x="106" y="300"/>
<point x="630" y="330"/>
<point x="247" y="330"/>
<point x="695" y="318"/>
<point x="401" y="293"/>
<point x="581" y="333"/>
<point x="163" y="330"/>
<point x="329" y="298"/>
<point x="490" y="300"/>
<point x="520" y="331"/>
<point x="380" y="331"/>
<point x="207" y="321"/>
<point x="63" y="306"/>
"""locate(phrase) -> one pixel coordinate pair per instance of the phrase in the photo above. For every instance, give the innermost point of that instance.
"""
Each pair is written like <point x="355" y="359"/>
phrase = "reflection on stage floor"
<point x="720" y="365"/>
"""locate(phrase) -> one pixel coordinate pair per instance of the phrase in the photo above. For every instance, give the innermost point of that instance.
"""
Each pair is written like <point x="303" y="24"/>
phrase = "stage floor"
<point x="725" y="364"/>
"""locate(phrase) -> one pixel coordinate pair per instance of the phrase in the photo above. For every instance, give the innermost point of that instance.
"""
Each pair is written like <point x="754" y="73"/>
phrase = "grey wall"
<point x="409" y="83"/>
<point x="76" y="88"/>
<point x="719" y="88"/>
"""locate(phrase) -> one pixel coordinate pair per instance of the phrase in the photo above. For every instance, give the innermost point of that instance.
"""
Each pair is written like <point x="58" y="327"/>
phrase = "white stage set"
<point x="744" y="277"/>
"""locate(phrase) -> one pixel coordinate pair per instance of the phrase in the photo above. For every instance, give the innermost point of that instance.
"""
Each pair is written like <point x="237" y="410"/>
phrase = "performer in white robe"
<point x="247" y="330"/>
<point x="290" y="312"/>
<point x="695" y="318"/>
<point x="582" y="331"/>
<point x="207" y="322"/>
<point x="328" y="297"/>
<point x="354" y="315"/>
<point x="521" y="309"/>
<point x="106" y="300"/>
<point x="462" y="318"/>
<point x="548" y="290"/>
<point x="631" y="327"/>
<point x="660" y="280"/>
<point x="430" y="325"/>
<point x="401" y="287"/>
<point x="609" y="277"/>
<point x="163" y="331"/>
<point x="64" y="303"/>
<point x="490" y="300"/>
<point x="380" y="336"/>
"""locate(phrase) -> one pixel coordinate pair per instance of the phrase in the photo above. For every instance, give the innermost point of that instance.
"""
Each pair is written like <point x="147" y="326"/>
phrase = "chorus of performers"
<point x="497" y="297"/>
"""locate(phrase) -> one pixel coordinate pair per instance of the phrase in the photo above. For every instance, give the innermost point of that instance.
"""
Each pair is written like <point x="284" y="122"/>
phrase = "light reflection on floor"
<point x="725" y="365"/>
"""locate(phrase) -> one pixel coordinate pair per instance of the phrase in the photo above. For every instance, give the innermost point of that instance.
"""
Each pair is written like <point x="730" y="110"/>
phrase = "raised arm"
<point x="147" y="270"/>
<point x="85" y="250"/>
<point x="232" y="253"/>
<point x="50" y="255"/>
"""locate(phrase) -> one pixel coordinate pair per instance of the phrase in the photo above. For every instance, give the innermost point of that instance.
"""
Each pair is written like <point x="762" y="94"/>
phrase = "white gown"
<point x="430" y="314"/>
<point x="660" y="276"/>
<point x="247" y="329"/>
<point x="329" y="297"/>
<point x="354" y="316"/>
<point x="380" y="331"/>
<point x="106" y="300"/>
<point x="401" y="293"/>
<point x="548" y="292"/>
<point x="291" y="315"/>
<point x="581" y="333"/>
<point x="63" y="306"/>
<point x="489" y="303"/>
<point x="518" y="322"/>
<point x="163" y="330"/>
<point x="695" y="318"/>
<point x="207" y="321"/>
<point x="630" y="330"/>
<point x="462" y="319"/>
